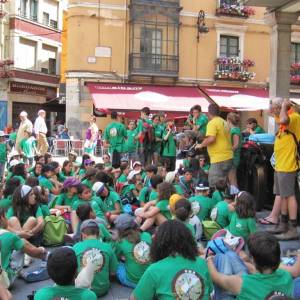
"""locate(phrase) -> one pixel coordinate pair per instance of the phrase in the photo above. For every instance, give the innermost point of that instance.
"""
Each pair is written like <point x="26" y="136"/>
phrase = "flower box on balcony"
<point x="235" y="11"/>
<point x="295" y="73"/>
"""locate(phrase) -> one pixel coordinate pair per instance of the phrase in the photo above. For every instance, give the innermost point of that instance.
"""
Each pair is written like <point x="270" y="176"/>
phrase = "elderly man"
<point x="25" y="126"/>
<point x="40" y="129"/>
<point x="286" y="166"/>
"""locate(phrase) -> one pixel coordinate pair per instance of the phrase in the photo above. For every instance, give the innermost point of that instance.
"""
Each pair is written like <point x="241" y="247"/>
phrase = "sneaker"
<point x="27" y="260"/>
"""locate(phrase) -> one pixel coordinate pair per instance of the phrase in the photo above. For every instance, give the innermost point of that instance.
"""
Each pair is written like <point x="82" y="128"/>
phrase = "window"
<point x="52" y="66"/>
<point x="228" y="2"/>
<point x="33" y="6"/>
<point x="229" y="46"/>
<point x="53" y="24"/>
<point x="48" y="59"/>
<point x="26" y="58"/>
<point x="295" y="53"/>
<point x="45" y="19"/>
<point x="23" y="8"/>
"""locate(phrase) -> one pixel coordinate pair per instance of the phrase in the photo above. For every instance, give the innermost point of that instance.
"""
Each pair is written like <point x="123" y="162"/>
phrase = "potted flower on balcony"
<point x="235" y="9"/>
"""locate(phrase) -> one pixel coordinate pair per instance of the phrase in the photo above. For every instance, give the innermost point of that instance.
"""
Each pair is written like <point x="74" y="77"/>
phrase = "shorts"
<point x="284" y="184"/>
<point x="219" y="171"/>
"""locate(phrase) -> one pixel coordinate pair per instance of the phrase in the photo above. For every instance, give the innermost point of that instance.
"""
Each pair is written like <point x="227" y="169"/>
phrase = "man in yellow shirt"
<point x="286" y="167"/>
<point x="218" y="145"/>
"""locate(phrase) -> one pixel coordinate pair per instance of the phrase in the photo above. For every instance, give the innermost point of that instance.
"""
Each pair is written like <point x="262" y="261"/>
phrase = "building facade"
<point x="218" y="45"/>
<point x="31" y="43"/>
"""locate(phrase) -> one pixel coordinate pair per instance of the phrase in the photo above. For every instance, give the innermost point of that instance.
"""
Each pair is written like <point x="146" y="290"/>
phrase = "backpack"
<point x="210" y="228"/>
<point x="54" y="231"/>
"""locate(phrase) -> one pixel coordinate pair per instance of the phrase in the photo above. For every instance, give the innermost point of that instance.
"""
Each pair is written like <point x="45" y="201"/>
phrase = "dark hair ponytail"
<point x="182" y="209"/>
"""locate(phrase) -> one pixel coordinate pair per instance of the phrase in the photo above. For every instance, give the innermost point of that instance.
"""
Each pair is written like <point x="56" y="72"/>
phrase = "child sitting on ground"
<point x="133" y="248"/>
<point x="62" y="268"/>
<point x="218" y="194"/>
<point x="242" y="222"/>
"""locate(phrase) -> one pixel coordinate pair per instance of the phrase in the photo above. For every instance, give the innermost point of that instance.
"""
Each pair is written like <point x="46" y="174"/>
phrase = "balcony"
<point x="153" y="65"/>
<point x="6" y="68"/>
<point x="295" y="74"/>
<point x="235" y="9"/>
<point x="234" y="69"/>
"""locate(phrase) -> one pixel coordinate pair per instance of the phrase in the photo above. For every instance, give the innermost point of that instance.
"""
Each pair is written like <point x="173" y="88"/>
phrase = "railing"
<point x="233" y="69"/>
<point x="295" y="73"/>
<point x="52" y="23"/>
<point x="157" y="2"/>
<point x="153" y="65"/>
<point x="235" y="9"/>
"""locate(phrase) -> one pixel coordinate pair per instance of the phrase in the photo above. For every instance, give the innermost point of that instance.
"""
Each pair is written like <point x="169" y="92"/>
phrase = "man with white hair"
<point x="25" y="126"/>
<point x="286" y="167"/>
<point x="40" y="129"/>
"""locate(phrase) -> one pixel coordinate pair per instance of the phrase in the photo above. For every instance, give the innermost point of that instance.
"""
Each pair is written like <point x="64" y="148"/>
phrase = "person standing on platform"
<point x="25" y="126"/>
<point x="40" y="129"/>
<point x="91" y="136"/>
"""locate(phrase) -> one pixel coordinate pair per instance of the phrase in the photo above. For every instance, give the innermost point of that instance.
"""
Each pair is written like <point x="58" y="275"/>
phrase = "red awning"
<point x="244" y="99"/>
<point x="131" y="98"/>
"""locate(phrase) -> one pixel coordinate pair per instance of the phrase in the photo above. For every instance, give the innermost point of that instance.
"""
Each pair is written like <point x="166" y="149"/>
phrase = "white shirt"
<point x="40" y="125"/>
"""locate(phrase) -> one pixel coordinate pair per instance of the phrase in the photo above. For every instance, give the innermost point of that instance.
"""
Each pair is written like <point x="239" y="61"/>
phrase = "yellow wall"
<point x="64" y="51"/>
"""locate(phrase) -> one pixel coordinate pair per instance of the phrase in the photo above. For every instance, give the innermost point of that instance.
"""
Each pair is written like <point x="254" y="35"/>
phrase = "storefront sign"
<point x="28" y="89"/>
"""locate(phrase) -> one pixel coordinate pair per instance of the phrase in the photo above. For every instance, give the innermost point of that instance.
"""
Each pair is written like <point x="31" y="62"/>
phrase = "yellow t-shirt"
<point x="285" y="146"/>
<point x="221" y="149"/>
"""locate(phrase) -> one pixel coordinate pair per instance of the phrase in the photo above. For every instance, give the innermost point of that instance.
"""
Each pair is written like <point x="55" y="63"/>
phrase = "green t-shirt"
<point x="6" y="202"/>
<point x="63" y="176"/>
<point x="158" y="132"/>
<point x="9" y="242"/>
<point x="131" y="142"/>
<point x="95" y="203"/>
<point x="259" y="130"/>
<point x="263" y="286"/>
<point x="237" y="152"/>
<point x="169" y="146"/>
<point x="64" y="292"/>
<point x="202" y="122"/>
<point x="153" y="195"/>
<point x="87" y="183"/>
<point x="143" y="129"/>
<point x="46" y="183"/>
<point x="175" y="278"/>
<point x="186" y="163"/>
<point x="27" y="147"/>
<point x="24" y="214"/>
<point x="178" y="189"/>
<point x="122" y="178"/>
<point x="115" y="134"/>
<point x="45" y="210"/>
<point x="144" y="194"/>
<point x="127" y="190"/>
<point x="221" y="214"/>
<point x="163" y="206"/>
<point x="137" y="256"/>
<point x="217" y="197"/>
<point x="191" y="228"/>
<point x="13" y="136"/>
<point x="81" y="173"/>
<point x="201" y="206"/>
<point x="63" y="199"/>
<point x="110" y="201"/>
<point x="21" y="178"/>
<point x="242" y="227"/>
<point x="3" y="153"/>
<point x="102" y="254"/>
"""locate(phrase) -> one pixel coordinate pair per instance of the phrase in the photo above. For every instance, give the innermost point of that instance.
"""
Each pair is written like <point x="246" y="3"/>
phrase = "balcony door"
<point x="151" y="48"/>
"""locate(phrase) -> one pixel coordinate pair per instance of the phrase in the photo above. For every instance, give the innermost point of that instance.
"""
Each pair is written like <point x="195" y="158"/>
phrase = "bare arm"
<point x="33" y="251"/>
<point x="293" y="270"/>
<point x="283" y="117"/>
<point x="167" y="135"/>
<point x="151" y="212"/>
<point x="117" y="210"/>
<point x="207" y="141"/>
<point x="236" y="142"/>
<point x="39" y="226"/>
<point x="230" y="283"/>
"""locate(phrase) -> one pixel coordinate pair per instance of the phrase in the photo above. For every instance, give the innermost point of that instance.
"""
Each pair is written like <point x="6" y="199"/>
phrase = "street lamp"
<point x="202" y="28"/>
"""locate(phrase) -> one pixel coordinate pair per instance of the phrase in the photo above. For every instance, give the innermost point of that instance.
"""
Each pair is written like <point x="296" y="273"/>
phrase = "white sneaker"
<point x="27" y="260"/>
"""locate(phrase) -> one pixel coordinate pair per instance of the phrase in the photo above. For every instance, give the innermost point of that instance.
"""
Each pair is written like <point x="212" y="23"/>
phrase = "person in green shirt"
<point x="10" y="187"/>
<point x="133" y="247"/>
<point x="158" y="130"/>
<point x="199" y="120"/>
<point x="37" y="170"/>
<point x="242" y="221"/>
<point x="115" y="135"/>
<point x="157" y="211"/>
<point x="221" y="213"/>
<point x="169" y="147"/>
<point x="111" y="201"/>
<point x="125" y="169"/>
<point x="4" y="149"/>
<point x="155" y="181"/>
<point x="12" y="242"/>
<point x="19" y="171"/>
<point x="177" y="272"/>
<point x="131" y="142"/>
<point x="173" y="178"/>
<point x="266" y="279"/>
<point x="62" y="268"/>
<point x="218" y="194"/>
<point x="252" y="127"/>
<point x="66" y="170"/>
<point x="90" y="177"/>
<point x="27" y="146"/>
<point x="25" y="217"/>
<point x="100" y="254"/>
<point x="46" y="181"/>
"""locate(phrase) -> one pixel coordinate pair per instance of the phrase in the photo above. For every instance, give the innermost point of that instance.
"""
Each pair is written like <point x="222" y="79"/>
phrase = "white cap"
<point x="170" y="176"/>
<point x="41" y="111"/>
<point x="23" y="114"/>
<point x="98" y="187"/>
<point x="202" y="187"/>
<point x="2" y="134"/>
<point x="132" y="174"/>
<point x="13" y="162"/>
<point x="25" y="190"/>
<point x="137" y="163"/>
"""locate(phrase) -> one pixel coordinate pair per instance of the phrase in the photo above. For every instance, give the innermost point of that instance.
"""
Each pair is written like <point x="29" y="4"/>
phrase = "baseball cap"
<point x="98" y="187"/>
<point x="88" y="162"/>
<point x="25" y="190"/>
<point x="71" y="182"/>
<point x="202" y="187"/>
<point x="125" y="221"/>
<point x="23" y="114"/>
<point x="173" y="199"/>
<point x="137" y="163"/>
<point x="90" y="223"/>
<point x="2" y="134"/>
<point x="132" y="174"/>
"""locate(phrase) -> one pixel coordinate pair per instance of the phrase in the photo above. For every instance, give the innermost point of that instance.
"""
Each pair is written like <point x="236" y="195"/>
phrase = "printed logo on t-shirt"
<point x="214" y="214"/>
<point x="196" y="207"/>
<point x="141" y="252"/>
<point x="95" y="256"/>
<point x="61" y="298"/>
<point x="274" y="294"/>
<point x="188" y="285"/>
<point x="113" y="131"/>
